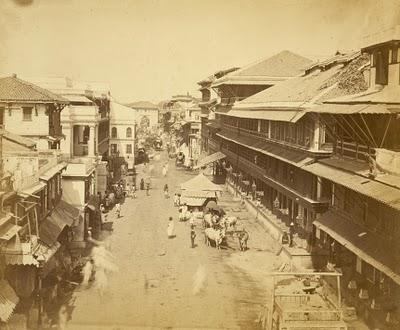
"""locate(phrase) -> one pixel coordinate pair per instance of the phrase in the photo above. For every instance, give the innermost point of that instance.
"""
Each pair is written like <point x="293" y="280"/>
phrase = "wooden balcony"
<point x="353" y="150"/>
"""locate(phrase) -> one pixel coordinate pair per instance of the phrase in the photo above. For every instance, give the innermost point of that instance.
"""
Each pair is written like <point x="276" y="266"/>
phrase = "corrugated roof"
<point x="276" y="115"/>
<point x="142" y="105"/>
<point x="346" y="109"/>
<point x="359" y="183"/>
<point x="53" y="171"/>
<point x="369" y="247"/>
<point x="296" y="158"/>
<point x="13" y="89"/>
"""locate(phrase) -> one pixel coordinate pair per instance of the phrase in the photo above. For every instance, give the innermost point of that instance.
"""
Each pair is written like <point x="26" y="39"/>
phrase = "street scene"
<point x="200" y="165"/>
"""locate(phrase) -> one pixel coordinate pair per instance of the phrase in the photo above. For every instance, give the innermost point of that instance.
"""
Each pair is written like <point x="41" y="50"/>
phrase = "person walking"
<point x="291" y="234"/>
<point x="166" y="192"/>
<point x="175" y="199"/>
<point x="191" y="218"/>
<point x="142" y="184"/>
<point x="118" y="209"/>
<point x="171" y="227"/>
<point x="192" y="235"/>
<point x="164" y="171"/>
<point x="147" y="188"/>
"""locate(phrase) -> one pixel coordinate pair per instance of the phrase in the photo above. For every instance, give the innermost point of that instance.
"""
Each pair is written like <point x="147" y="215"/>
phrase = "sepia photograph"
<point x="200" y="165"/>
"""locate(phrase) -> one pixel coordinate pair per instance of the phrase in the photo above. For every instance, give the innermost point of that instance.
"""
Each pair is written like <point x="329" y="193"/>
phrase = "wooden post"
<point x="339" y="292"/>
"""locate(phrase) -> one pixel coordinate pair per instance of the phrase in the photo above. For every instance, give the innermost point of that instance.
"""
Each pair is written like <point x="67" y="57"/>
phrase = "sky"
<point x="153" y="49"/>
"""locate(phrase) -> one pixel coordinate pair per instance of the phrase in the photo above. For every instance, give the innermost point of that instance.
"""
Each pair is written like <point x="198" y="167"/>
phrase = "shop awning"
<point x="347" y="109"/>
<point x="63" y="215"/>
<point x="22" y="254"/>
<point x="374" y="189"/>
<point x="290" y="116"/>
<point x="296" y="158"/>
<point x="193" y="201"/>
<point x="209" y="159"/>
<point x="34" y="189"/>
<point x="198" y="194"/>
<point x="53" y="171"/>
<point x="200" y="183"/>
<point x="366" y="245"/>
<point x="8" y="300"/>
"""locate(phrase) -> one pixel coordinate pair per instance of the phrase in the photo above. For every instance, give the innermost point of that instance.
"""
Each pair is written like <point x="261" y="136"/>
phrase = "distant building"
<point x="122" y="128"/>
<point x="31" y="111"/>
<point x="146" y="114"/>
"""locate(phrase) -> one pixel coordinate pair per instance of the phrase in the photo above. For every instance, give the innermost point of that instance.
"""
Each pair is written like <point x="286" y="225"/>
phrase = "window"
<point x="382" y="67"/>
<point x="129" y="132"/>
<point x="128" y="148"/>
<point x="114" y="132"/>
<point x="394" y="55"/>
<point x="27" y="114"/>
<point x="114" y="148"/>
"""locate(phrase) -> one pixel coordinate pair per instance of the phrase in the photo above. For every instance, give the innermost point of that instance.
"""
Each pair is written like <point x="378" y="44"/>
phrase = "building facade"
<point x="31" y="111"/>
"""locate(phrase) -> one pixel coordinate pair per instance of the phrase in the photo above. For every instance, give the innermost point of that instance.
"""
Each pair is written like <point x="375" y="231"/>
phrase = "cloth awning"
<point x="296" y="158"/>
<point x="34" y="189"/>
<point x="200" y="183"/>
<point x="63" y="215"/>
<point x="291" y="116"/>
<point x="366" y="245"/>
<point x="22" y="254"/>
<point x="8" y="300"/>
<point x="53" y="171"/>
<point x="198" y="194"/>
<point x="347" y="109"/>
<point x="374" y="189"/>
<point x="209" y="159"/>
<point x="193" y="201"/>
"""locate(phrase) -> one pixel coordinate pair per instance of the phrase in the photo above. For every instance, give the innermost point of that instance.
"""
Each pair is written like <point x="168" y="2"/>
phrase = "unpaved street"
<point x="163" y="283"/>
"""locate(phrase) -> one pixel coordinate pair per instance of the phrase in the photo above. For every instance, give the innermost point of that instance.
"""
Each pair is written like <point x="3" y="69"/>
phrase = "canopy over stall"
<point x="200" y="183"/>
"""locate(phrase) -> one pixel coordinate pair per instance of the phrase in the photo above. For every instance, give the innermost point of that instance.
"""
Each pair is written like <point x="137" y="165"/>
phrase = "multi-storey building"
<point x="36" y="226"/>
<point x="319" y="153"/>
<point x="86" y="124"/>
<point x="361" y="230"/>
<point x="122" y="140"/>
<point x="31" y="111"/>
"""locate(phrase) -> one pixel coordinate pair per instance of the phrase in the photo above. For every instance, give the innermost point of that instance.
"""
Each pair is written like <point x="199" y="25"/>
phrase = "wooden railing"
<point x="354" y="150"/>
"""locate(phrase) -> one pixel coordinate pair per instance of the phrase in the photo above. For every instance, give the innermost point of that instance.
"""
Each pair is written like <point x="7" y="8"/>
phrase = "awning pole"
<point x="386" y="130"/>
<point x="369" y="131"/>
<point x="360" y="128"/>
<point x="355" y="132"/>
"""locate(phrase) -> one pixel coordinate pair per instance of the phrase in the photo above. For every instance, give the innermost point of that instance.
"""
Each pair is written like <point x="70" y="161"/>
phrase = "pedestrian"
<point x="164" y="171"/>
<point x="148" y="189"/>
<point x="170" y="229"/>
<point x="118" y="209"/>
<point x="191" y="218"/>
<point x="291" y="233"/>
<point x="142" y="184"/>
<point x="192" y="235"/>
<point x="166" y="193"/>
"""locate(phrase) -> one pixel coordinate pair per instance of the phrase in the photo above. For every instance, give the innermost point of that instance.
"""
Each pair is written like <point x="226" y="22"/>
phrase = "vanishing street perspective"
<point x="200" y="165"/>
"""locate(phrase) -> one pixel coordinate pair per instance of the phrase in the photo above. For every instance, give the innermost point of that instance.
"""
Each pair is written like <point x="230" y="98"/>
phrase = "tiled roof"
<point x="315" y="87"/>
<point x="13" y="89"/>
<point x="142" y="105"/>
<point x="283" y="64"/>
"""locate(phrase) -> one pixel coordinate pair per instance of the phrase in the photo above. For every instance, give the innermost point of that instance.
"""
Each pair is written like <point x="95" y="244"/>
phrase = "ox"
<point x="243" y="237"/>
<point x="217" y="236"/>
<point x="229" y="221"/>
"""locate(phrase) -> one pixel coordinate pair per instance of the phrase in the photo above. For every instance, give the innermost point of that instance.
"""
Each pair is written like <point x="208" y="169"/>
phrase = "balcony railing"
<point x="354" y="150"/>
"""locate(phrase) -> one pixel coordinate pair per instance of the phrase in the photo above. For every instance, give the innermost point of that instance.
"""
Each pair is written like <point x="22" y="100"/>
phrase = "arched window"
<point x="129" y="132"/>
<point x="114" y="132"/>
